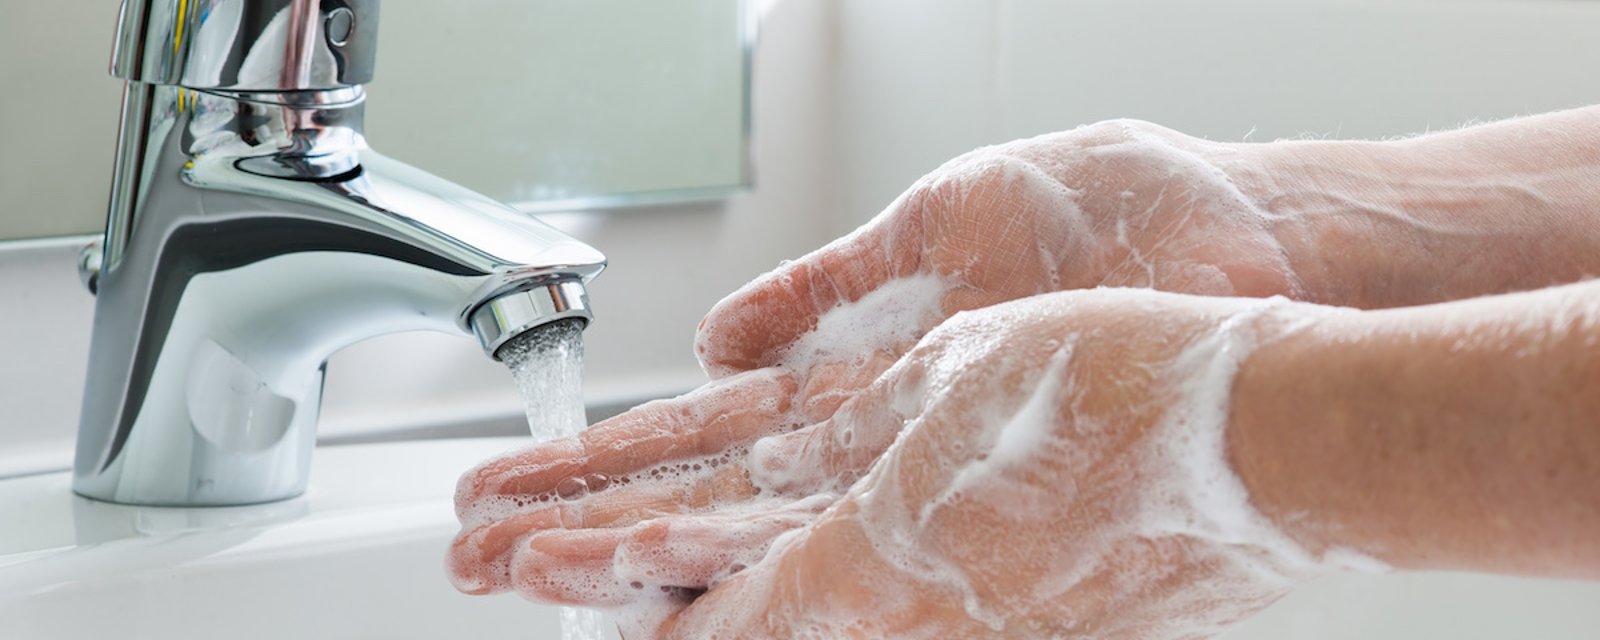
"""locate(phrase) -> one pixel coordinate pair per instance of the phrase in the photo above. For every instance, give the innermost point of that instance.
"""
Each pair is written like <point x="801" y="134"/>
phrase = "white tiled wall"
<point x="920" y="81"/>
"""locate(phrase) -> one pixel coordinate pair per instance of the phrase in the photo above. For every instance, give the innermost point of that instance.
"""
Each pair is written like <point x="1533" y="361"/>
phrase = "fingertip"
<point x="478" y="561"/>
<point x="640" y="555"/>
<point x="466" y="570"/>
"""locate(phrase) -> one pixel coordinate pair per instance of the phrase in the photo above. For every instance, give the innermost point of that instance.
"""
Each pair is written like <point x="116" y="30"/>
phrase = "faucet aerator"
<point x="507" y="316"/>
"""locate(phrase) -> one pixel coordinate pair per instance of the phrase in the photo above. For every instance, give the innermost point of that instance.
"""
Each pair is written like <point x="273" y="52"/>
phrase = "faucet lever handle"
<point x="247" y="45"/>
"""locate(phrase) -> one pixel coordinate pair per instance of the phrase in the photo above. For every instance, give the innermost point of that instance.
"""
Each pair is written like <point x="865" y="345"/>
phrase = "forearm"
<point x="1508" y="206"/>
<point x="1454" y="436"/>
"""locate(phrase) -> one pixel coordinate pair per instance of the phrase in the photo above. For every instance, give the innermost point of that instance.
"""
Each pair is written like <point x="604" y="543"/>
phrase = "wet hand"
<point x="1051" y="467"/>
<point x="1119" y="203"/>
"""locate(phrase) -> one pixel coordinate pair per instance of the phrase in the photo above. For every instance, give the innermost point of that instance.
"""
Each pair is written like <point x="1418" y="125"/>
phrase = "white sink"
<point x="1431" y="606"/>
<point x="361" y="556"/>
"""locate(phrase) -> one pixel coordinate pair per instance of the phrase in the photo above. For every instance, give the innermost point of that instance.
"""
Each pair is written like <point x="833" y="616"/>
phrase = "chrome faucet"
<point x="252" y="233"/>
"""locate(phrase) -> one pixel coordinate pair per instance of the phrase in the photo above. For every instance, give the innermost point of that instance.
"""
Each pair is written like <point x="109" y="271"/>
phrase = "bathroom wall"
<point x="58" y="115"/>
<point x="923" y="81"/>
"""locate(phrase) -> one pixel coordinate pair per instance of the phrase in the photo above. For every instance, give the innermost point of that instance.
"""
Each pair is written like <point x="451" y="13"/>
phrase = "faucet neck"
<point x="247" y="45"/>
<point x="253" y="233"/>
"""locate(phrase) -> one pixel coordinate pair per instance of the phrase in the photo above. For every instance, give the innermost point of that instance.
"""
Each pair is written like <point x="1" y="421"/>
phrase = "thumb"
<point x="753" y="327"/>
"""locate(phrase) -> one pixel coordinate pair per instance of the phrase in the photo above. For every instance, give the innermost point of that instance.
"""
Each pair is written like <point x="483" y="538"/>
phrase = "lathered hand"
<point x="1120" y="203"/>
<point x="1059" y="471"/>
<point x="1050" y="467"/>
<point x="679" y="496"/>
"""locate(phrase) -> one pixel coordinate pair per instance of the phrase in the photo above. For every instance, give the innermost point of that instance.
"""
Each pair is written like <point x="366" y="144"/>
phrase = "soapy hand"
<point x="1048" y="467"/>
<point x="1116" y="204"/>
<point x="1051" y="467"/>
<point x="1058" y="472"/>
<point x="1120" y="203"/>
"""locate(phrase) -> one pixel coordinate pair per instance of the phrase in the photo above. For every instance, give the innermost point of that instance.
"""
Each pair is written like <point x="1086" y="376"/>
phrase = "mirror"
<point x="553" y="104"/>
<point x="547" y="104"/>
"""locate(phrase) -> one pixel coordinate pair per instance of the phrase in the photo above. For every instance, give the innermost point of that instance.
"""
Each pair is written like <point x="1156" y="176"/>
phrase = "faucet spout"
<point x="251" y="235"/>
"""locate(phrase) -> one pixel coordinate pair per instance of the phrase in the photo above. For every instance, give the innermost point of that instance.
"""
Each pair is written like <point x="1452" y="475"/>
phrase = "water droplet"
<point x="572" y="488"/>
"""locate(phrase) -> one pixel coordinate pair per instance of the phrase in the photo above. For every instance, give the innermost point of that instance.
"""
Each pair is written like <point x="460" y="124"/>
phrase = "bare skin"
<point x="1472" y="442"/>
<point x="1122" y="204"/>
<point x="1493" y="471"/>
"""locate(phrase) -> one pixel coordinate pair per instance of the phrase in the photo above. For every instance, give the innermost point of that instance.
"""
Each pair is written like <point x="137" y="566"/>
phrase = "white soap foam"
<point x="1201" y="497"/>
<point x="1189" y="491"/>
<point x="889" y="318"/>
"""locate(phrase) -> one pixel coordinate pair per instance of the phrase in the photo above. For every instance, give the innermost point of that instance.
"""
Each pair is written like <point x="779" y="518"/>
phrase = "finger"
<point x="480" y="555"/>
<point x="829" y="385"/>
<point x="478" y="562"/>
<point x="571" y="568"/>
<point x="832" y="454"/>
<point x="751" y="328"/>
<point x="701" y="423"/>
<point x="610" y="567"/>
<point x="697" y="552"/>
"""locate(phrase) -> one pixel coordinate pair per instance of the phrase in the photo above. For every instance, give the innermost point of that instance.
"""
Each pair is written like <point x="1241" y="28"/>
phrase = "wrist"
<point x="1492" y="209"/>
<point x="1269" y="434"/>
<point x="1369" y="224"/>
<point x="1455" y="436"/>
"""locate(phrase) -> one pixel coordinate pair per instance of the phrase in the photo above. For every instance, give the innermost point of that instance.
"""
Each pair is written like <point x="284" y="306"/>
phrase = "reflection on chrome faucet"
<point x="252" y="233"/>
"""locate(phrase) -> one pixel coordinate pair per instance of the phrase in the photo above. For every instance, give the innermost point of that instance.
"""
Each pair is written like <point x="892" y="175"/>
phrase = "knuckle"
<point x="1122" y="130"/>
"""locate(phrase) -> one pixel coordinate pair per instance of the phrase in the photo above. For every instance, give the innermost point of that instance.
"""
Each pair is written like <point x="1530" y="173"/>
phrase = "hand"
<point x="1058" y="472"/>
<point x="563" y="523"/>
<point x="1120" y="203"/>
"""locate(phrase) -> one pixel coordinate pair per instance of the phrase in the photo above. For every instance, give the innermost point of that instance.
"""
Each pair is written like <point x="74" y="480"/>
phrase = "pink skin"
<point x="1022" y="486"/>
<point x="1121" y="204"/>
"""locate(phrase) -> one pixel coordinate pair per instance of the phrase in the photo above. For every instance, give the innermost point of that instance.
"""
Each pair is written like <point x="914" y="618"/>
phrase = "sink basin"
<point x="1430" y="606"/>
<point x="361" y="556"/>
